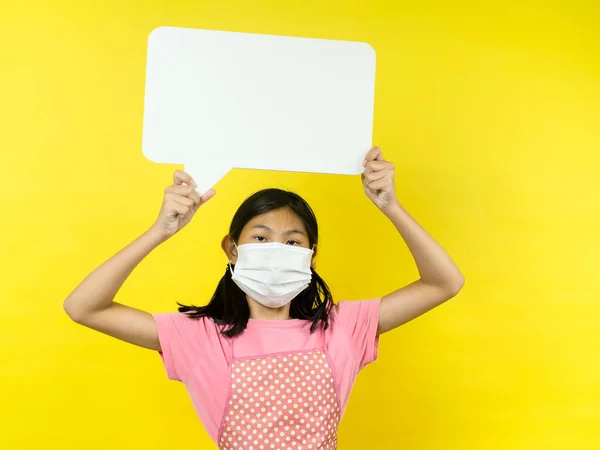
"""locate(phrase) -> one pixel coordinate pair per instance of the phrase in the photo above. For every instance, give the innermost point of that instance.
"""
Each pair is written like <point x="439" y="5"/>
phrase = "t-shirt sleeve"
<point x="180" y="340"/>
<point x="359" y="321"/>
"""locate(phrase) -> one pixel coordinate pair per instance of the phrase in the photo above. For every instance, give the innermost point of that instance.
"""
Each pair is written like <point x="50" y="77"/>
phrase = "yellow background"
<point x="492" y="116"/>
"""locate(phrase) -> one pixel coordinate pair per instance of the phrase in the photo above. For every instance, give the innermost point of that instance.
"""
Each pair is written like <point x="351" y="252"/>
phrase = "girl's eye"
<point x="292" y="242"/>
<point x="260" y="238"/>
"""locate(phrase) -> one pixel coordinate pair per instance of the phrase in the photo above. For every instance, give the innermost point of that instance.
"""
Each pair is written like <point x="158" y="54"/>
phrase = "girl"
<point x="270" y="362"/>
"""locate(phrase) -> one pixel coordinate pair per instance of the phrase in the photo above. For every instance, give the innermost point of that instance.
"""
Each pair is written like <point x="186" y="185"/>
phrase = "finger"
<point x="180" y="189"/>
<point x="375" y="154"/>
<point x="207" y="196"/>
<point x="180" y="199"/>
<point x="374" y="176"/>
<point x="375" y="166"/>
<point x="180" y="177"/>
<point x="177" y="209"/>
<point x="195" y="197"/>
<point x="379" y="184"/>
<point x="187" y="191"/>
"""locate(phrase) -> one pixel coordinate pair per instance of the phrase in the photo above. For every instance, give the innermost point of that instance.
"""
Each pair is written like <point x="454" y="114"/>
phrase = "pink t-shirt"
<point x="196" y="353"/>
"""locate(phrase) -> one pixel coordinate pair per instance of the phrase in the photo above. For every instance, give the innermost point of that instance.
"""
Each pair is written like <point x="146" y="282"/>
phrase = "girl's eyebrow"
<point x="262" y="227"/>
<point x="288" y="232"/>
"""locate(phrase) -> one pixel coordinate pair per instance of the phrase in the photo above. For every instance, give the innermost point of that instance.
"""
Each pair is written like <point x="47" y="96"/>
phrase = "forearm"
<point x="97" y="291"/>
<point x="435" y="266"/>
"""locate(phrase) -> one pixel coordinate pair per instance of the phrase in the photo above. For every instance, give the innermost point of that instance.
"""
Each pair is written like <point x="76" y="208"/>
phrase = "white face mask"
<point x="273" y="274"/>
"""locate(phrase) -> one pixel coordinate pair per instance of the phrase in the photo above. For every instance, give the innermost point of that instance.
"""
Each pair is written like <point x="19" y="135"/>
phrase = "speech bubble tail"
<point x="205" y="177"/>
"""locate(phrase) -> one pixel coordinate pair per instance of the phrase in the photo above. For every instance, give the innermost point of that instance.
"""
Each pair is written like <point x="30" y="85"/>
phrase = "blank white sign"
<point x="219" y="100"/>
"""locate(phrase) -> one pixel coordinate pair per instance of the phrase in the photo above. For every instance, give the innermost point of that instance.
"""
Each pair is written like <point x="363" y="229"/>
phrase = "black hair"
<point x="229" y="305"/>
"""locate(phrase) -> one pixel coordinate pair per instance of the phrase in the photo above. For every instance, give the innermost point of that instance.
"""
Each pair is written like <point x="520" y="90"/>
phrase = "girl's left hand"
<point x="378" y="180"/>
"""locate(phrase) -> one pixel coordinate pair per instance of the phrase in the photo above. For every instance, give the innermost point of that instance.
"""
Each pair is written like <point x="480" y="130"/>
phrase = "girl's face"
<point x="281" y="225"/>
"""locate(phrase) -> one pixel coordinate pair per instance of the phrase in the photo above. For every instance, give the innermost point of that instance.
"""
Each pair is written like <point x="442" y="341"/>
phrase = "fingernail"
<point x="364" y="163"/>
<point x="194" y="183"/>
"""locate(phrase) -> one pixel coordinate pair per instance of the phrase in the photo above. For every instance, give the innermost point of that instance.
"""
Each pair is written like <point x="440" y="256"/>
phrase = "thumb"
<point x="207" y="196"/>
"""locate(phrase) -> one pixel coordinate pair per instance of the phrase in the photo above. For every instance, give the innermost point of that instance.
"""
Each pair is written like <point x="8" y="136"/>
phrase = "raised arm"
<point x="440" y="279"/>
<point x="91" y="302"/>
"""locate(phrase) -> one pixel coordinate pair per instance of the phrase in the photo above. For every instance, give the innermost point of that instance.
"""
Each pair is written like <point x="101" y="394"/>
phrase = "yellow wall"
<point x="492" y="115"/>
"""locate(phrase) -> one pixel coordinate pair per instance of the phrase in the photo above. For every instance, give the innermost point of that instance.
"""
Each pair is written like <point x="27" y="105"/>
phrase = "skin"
<point x="92" y="302"/>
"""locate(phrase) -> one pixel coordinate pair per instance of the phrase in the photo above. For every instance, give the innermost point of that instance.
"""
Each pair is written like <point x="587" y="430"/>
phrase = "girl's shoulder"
<point x="347" y="312"/>
<point x="187" y="327"/>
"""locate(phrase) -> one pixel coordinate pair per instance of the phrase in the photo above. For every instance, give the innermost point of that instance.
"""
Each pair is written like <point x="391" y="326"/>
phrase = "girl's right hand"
<point x="180" y="203"/>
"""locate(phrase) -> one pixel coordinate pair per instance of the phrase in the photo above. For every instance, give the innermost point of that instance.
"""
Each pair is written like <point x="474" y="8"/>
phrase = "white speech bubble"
<point x="219" y="100"/>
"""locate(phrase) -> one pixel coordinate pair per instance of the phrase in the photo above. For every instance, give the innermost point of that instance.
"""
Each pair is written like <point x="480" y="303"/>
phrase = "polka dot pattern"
<point x="281" y="402"/>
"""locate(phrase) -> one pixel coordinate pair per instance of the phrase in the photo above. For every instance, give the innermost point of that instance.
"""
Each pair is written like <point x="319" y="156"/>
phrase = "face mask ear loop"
<point x="229" y="263"/>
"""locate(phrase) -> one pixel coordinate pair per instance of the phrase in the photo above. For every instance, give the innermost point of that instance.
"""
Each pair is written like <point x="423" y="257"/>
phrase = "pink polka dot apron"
<point x="281" y="401"/>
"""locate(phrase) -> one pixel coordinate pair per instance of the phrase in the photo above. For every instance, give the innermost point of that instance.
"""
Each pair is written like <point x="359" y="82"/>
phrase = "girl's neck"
<point x="260" y="312"/>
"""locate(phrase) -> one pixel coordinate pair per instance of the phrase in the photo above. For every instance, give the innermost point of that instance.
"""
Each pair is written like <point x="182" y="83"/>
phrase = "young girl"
<point x="270" y="362"/>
